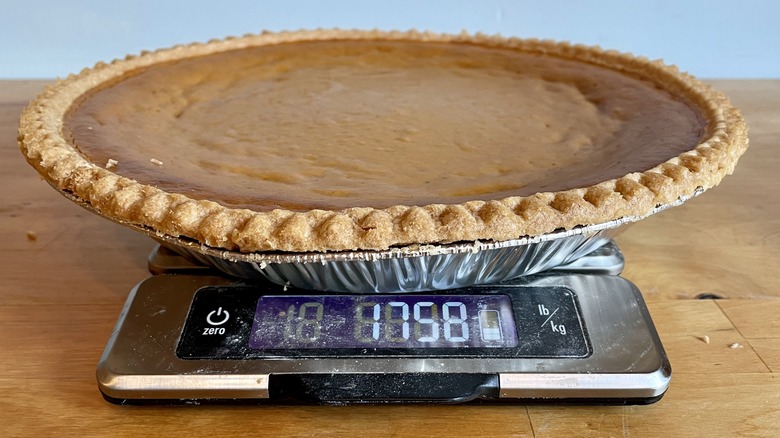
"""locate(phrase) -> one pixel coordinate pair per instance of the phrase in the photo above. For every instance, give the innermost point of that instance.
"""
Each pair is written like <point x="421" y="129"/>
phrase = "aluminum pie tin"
<point x="406" y="269"/>
<point x="411" y="270"/>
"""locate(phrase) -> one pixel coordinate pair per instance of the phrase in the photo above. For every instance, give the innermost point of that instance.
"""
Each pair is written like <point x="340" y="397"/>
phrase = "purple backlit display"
<point x="383" y="321"/>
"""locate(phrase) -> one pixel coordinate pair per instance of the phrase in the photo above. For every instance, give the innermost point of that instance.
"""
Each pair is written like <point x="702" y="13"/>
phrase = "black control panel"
<point x="241" y="322"/>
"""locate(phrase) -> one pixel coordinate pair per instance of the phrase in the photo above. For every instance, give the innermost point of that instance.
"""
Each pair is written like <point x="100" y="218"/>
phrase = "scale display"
<point x="250" y="322"/>
<point x="360" y="321"/>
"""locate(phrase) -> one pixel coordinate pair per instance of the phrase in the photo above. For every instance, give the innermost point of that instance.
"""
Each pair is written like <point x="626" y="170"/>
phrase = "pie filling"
<point x="372" y="123"/>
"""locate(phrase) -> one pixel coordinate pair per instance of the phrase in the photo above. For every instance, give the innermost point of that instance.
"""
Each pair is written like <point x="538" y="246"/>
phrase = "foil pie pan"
<point x="406" y="269"/>
<point x="411" y="270"/>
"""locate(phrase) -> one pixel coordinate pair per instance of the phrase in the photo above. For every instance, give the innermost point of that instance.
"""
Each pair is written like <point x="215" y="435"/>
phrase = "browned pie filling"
<point x="338" y="124"/>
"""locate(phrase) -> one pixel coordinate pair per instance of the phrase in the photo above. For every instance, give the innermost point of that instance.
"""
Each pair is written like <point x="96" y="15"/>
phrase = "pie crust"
<point x="48" y="147"/>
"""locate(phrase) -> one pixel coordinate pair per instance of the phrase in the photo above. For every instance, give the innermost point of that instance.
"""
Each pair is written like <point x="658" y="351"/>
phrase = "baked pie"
<point x="366" y="140"/>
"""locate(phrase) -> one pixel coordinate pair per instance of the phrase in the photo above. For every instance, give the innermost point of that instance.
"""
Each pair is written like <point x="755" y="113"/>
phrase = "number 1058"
<point x="393" y="322"/>
<point x="424" y="322"/>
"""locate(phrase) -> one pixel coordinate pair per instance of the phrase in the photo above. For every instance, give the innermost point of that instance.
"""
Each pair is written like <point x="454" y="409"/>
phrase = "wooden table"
<point x="62" y="289"/>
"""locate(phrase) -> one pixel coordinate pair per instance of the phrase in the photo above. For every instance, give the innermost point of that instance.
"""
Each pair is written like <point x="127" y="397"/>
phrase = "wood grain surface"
<point x="67" y="273"/>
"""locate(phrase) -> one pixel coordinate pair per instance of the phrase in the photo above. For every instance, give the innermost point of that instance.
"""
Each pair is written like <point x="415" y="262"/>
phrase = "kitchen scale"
<point x="576" y="334"/>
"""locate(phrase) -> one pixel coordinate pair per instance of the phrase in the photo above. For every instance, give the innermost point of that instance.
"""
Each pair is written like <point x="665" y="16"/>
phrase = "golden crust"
<point x="125" y="200"/>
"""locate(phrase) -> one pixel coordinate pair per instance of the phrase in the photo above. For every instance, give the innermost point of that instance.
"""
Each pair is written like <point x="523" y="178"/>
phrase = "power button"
<point x="218" y="317"/>
<point x="219" y="322"/>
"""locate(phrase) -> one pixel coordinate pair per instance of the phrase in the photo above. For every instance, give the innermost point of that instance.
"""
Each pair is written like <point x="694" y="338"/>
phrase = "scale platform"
<point x="579" y="334"/>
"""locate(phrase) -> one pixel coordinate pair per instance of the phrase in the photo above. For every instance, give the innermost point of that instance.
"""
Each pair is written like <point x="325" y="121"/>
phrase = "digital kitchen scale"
<point x="575" y="334"/>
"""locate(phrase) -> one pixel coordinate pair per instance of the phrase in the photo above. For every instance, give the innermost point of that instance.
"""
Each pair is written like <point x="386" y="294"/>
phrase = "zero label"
<point x="213" y="331"/>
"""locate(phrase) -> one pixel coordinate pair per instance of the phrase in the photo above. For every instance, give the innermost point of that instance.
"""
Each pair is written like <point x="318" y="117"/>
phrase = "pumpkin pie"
<point x="364" y="140"/>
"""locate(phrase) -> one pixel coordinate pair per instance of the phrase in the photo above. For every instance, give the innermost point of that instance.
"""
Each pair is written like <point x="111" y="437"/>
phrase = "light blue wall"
<point x="48" y="38"/>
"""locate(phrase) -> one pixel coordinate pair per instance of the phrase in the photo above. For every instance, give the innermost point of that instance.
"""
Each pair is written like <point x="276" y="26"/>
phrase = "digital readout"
<point x="386" y="321"/>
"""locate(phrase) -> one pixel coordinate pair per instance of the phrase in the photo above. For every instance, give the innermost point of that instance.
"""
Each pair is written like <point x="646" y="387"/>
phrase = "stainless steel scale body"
<point x="608" y="353"/>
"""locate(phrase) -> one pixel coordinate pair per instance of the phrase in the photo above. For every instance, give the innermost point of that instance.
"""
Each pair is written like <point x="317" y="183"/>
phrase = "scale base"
<point x="372" y="389"/>
<point x="623" y="361"/>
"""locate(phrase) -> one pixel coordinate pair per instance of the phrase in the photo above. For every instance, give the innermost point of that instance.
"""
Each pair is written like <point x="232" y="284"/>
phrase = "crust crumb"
<point x="32" y="236"/>
<point x="705" y="339"/>
<point x="111" y="163"/>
